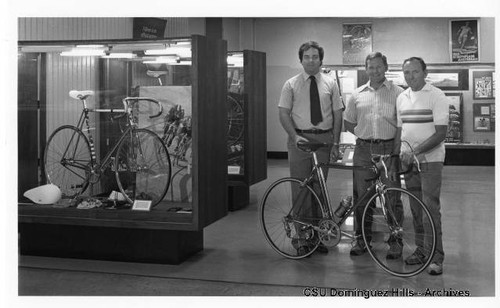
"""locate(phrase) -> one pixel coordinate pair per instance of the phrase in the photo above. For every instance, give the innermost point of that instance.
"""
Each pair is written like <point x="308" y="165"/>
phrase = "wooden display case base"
<point x="238" y="196"/>
<point x="108" y="243"/>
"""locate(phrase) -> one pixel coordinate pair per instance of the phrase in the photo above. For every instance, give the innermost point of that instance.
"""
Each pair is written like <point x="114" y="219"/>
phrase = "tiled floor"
<point x="238" y="261"/>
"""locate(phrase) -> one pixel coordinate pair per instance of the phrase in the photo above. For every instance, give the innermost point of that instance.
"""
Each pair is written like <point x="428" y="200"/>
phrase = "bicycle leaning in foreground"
<point x="294" y="231"/>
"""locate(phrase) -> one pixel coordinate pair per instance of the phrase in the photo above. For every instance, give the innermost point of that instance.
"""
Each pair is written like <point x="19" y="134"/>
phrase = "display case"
<point x="188" y="77"/>
<point x="246" y="125"/>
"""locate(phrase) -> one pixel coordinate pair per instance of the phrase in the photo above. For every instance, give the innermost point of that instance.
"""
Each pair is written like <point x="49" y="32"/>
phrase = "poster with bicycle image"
<point x="464" y="40"/>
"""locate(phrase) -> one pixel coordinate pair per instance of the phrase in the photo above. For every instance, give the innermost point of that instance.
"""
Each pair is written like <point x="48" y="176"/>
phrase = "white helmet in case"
<point x="45" y="194"/>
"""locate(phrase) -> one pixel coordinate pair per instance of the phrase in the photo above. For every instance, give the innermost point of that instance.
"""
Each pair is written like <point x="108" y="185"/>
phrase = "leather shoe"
<point x="417" y="257"/>
<point x="435" y="269"/>
<point x="395" y="251"/>
<point x="303" y="250"/>
<point x="358" y="249"/>
<point x="322" y="248"/>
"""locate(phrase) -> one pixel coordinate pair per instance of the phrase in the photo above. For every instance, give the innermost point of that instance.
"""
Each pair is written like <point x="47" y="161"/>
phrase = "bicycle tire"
<point x="235" y="120"/>
<point x="142" y="167"/>
<point x="404" y="230"/>
<point x="67" y="160"/>
<point x="275" y="213"/>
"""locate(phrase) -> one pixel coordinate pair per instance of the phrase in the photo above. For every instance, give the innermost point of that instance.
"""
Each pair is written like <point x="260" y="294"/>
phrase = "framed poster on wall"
<point x="444" y="79"/>
<point x="464" y="40"/>
<point x="484" y="117"/>
<point x="484" y="84"/>
<point x="356" y="43"/>
<point x="454" y="133"/>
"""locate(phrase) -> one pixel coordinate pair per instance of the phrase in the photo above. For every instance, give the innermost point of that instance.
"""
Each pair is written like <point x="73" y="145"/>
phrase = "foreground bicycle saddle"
<point x="312" y="146"/>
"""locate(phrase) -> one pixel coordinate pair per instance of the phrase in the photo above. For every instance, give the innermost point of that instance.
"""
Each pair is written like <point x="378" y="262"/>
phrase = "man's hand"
<point x="299" y="138"/>
<point x="406" y="157"/>
<point x="334" y="153"/>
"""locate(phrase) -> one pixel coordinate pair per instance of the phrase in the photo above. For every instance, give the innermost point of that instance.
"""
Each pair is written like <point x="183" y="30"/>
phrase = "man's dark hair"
<point x="420" y="60"/>
<point x="375" y="55"/>
<point x="307" y="46"/>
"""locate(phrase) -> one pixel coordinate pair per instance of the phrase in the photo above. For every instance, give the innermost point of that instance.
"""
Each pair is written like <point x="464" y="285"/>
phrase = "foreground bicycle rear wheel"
<point x="67" y="160"/>
<point x="142" y="167"/>
<point x="399" y="218"/>
<point x="288" y="229"/>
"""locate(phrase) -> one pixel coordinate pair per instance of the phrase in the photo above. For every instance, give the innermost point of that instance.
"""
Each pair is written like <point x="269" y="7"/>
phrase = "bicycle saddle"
<point x="81" y="94"/>
<point x="311" y="146"/>
<point x="156" y="74"/>
<point x="45" y="194"/>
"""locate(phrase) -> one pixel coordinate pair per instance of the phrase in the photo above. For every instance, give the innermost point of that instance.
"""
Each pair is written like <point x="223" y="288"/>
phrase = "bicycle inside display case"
<point x="150" y="152"/>
<point x="246" y="124"/>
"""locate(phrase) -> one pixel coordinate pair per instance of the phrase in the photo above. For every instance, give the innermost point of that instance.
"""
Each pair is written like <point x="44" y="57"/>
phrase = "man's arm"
<point x="349" y="126"/>
<point x="287" y="123"/>
<point x="433" y="141"/>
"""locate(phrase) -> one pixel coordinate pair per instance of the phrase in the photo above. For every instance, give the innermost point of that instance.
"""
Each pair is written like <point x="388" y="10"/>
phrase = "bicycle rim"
<point x="234" y="120"/>
<point x="287" y="228"/>
<point x="406" y="223"/>
<point x="67" y="161"/>
<point x="142" y="167"/>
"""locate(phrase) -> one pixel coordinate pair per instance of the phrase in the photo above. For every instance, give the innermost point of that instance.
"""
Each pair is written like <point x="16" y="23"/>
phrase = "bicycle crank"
<point x="329" y="232"/>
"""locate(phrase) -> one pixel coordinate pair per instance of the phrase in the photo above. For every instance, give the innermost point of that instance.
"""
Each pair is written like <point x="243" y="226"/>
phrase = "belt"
<point x="375" y="140"/>
<point x="312" y="131"/>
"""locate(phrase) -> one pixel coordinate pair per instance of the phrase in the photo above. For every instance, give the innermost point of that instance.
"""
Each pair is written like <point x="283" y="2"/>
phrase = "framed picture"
<point x="484" y="117"/>
<point x="445" y="79"/>
<point x="484" y="84"/>
<point x="356" y="42"/>
<point x="464" y="40"/>
<point x="454" y="133"/>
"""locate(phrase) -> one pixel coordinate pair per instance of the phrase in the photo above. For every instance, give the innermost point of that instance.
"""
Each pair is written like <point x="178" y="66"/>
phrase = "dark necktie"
<point x="316" y="116"/>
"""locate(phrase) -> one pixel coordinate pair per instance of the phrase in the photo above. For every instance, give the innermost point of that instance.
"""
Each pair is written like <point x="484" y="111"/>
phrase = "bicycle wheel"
<point x="67" y="160"/>
<point x="235" y="120"/>
<point x="398" y="217"/>
<point x="142" y="167"/>
<point x="288" y="228"/>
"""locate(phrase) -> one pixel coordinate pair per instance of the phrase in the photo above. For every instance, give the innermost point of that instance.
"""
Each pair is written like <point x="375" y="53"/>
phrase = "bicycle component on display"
<point x="329" y="232"/>
<point x="344" y="206"/>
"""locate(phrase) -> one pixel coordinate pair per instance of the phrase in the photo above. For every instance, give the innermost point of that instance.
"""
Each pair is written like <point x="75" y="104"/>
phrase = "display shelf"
<point x="469" y="154"/>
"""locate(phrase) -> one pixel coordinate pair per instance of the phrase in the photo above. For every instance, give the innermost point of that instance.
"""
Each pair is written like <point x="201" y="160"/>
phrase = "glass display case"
<point x="246" y="124"/>
<point x="149" y="151"/>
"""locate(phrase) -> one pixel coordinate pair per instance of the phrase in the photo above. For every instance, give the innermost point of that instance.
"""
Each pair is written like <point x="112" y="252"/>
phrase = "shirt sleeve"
<point x="399" y="122"/>
<point x="336" y="100"/>
<point x="441" y="109"/>
<point x="350" y="110"/>
<point x="286" y="98"/>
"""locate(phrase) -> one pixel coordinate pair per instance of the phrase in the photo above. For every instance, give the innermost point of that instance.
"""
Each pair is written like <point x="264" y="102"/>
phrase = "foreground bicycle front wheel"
<point x="67" y="160"/>
<point x="287" y="218"/>
<point x="142" y="167"/>
<point x="398" y="221"/>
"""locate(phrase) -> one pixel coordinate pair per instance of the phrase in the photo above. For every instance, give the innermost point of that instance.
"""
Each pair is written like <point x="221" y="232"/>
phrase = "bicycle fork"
<point x="389" y="213"/>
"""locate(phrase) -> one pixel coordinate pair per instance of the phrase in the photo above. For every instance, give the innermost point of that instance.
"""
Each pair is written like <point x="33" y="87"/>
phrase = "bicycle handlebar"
<point x="149" y="99"/>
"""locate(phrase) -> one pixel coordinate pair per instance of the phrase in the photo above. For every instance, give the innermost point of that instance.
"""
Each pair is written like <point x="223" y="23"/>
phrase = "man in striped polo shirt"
<point x="422" y="112"/>
<point x="371" y="115"/>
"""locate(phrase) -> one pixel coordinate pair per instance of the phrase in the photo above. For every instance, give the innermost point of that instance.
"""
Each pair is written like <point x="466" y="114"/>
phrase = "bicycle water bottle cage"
<point x="311" y="146"/>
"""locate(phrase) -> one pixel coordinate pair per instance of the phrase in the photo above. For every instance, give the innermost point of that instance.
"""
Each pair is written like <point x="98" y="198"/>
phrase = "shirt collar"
<point x="427" y="87"/>
<point x="386" y="83"/>
<point x="306" y="76"/>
